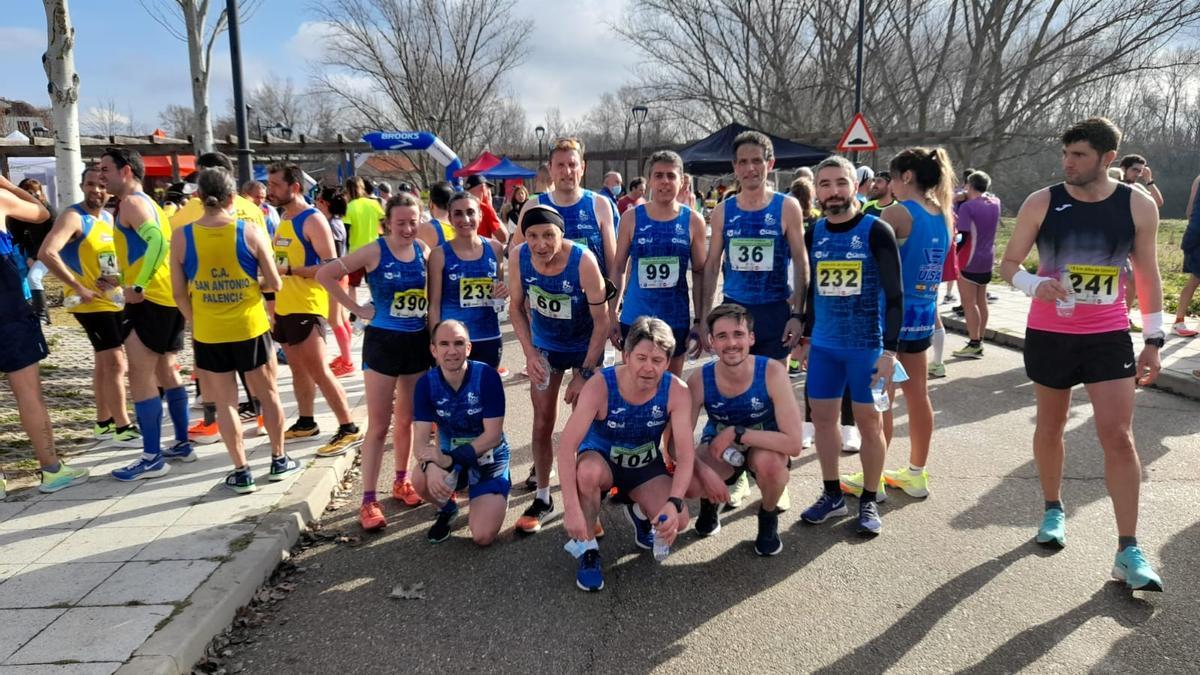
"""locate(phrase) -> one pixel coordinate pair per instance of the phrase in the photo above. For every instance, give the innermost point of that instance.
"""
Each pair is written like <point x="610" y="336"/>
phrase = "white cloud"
<point x="20" y="40"/>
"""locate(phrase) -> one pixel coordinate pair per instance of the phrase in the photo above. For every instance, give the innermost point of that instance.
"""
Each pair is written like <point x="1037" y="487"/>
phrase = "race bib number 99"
<point x="410" y="304"/>
<point x="550" y="305"/>
<point x="474" y="291"/>
<point x="633" y="458"/>
<point x="752" y="255"/>
<point x="661" y="272"/>
<point x="1093" y="284"/>
<point x="839" y="278"/>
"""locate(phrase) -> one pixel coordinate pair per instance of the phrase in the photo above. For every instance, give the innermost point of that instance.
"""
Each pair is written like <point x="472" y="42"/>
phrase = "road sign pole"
<point x="858" y="68"/>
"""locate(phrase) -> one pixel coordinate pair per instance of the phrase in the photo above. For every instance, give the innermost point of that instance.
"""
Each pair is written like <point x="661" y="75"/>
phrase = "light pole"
<point x="858" y="66"/>
<point x="639" y="117"/>
<point x="540" y="132"/>
<point x="239" y="105"/>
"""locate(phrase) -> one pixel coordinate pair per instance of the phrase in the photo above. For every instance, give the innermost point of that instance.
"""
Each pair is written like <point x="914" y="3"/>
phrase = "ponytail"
<point x="933" y="173"/>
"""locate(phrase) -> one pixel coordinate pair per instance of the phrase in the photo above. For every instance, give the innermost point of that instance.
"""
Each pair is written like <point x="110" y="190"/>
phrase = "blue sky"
<point x="144" y="74"/>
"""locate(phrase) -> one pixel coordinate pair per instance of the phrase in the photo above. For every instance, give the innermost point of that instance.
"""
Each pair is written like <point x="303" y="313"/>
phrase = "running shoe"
<point x="643" y="533"/>
<point x="182" y="451"/>
<point x="203" y="433"/>
<point x="949" y="298"/>
<point x="370" y="516"/>
<point x="280" y="356"/>
<point x="297" y="431"/>
<point x="1133" y="327"/>
<point x="104" y="431"/>
<point x="598" y="531"/>
<point x="868" y="519"/>
<point x="1053" y="532"/>
<point x="1132" y="568"/>
<point x="708" y="522"/>
<point x="794" y="367"/>
<point x="345" y="438"/>
<point x="144" y="467"/>
<point x="739" y="491"/>
<point x="1182" y="330"/>
<point x="785" y="501"/>
<point x="247" y="412"/>
<point x="259" y="429"/>
<point x="129" y="437"/>
<point x="937" y="371"/>
<point x="809" y="435"/>
<point x="65" y="477"/>
<point x="241" y="482"/>
<point x="914" y="485"/>
<point x="969" y="351"/>
<point x="504" y="373"/>
<point x="539" y="511"/>
<point x="282" y="467"/>
<point x="958" y="309"/>
<point x="341" y="367"/>
<point x="590" y="576"/>
<point x="852" y="484"/>
<point x="402" y="491"/>
<point x="767" y="542"/>
<point x="440" y="530"/>
<point x="992" y="297"/>
<point x="851" y="439"/>
<point x="531" y="481"/>
<point x="825" y="507"/>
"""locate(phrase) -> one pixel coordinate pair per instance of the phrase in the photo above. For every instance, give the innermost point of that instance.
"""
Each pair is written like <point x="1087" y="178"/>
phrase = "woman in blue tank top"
<point x="613" y="439"/>
<point x="396" y="345"/>
<point x="466" y="280"/>
<point x="657" y="244"/>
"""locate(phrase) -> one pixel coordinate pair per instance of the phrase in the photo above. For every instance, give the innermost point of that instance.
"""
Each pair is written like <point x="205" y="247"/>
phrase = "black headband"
<point x="540" y="214"/>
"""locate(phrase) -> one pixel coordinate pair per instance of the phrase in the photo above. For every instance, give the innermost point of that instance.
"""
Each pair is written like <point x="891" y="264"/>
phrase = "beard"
<point x="834" y="208"/>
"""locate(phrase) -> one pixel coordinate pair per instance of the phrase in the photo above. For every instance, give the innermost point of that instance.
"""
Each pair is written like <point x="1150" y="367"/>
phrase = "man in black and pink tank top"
<point x="1078" y="329"/>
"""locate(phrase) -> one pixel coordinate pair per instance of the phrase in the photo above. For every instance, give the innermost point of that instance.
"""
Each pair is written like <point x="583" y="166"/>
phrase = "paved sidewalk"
<point x="1006" y="326"/>
<point x="139" y="576"/>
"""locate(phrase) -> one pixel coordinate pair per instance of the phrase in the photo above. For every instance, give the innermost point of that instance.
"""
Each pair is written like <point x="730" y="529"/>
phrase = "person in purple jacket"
<point x="977" y="218"/>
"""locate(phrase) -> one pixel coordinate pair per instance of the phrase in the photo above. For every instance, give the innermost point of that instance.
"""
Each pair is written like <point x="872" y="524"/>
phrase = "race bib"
<point x="632" y="458"/>
<point x="282" y="262"/>
<point x="1093" y="284"/>
<point x="483" y="460"/>
<point x="107" y="264"/>
<point x="582" y="241"/>
<point x="474" y="291"/>
<point x="661" y="272"/>
<point x="550" y="305"/>
<point x="839" y="278"/>
<point x="410" y="304"/>
<point x="752" y="255"/>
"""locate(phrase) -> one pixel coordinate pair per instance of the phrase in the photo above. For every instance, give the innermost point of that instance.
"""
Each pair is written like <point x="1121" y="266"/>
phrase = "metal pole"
<point x="239" y="105"/>
<point x="858" y="67"/>
<point x="637" y="169"/>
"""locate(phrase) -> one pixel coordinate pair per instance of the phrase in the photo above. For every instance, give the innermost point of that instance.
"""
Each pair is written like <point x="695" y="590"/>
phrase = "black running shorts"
<point x="1063" y="360"/>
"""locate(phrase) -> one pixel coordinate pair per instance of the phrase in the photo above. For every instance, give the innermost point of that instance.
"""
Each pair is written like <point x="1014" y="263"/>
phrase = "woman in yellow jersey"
<point x="396" y="345"/>
<point x="216" y="263"/>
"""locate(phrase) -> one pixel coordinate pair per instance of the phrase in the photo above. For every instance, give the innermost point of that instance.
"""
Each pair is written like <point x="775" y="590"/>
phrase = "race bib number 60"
<point x="839" y="278"/>
<point x="632" y="458"/>
<point x="1093" y="284"/>
<point x="550" y="305"/>
<point x="752" y="255"/>
<point x="410" y="304"/>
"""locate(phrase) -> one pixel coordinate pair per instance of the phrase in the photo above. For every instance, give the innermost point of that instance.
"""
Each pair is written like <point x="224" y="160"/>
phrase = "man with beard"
<point x="1078" y="329"/>
<point x="879" y="194"/>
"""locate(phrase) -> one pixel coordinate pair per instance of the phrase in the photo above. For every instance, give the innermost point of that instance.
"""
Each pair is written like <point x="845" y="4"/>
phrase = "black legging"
<point x="847" y="408"/>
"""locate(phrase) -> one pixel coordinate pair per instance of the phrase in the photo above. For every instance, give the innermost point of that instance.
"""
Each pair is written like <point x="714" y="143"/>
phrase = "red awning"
<point x="483" y="162"/>
<point x="160" y="166"/>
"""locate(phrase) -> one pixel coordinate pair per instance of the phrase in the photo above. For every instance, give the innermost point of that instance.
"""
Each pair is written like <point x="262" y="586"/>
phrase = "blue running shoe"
<point x="823" y="508"/>
<point x="1053" y="532"/>
<point x="146" y="466"/>
<point x="868" y="519"/>
<point x="1132" y="568"/>
<point x="643" y="533"/>
<point x="282" y="467"/>
<point x="440" y="530"/>
<point x="241" y="482"/>
<point x="590" y="576"/>
<point x="182" y="451"/>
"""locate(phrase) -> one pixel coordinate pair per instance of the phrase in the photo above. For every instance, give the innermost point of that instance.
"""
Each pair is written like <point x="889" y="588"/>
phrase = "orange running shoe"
<point x="203" y="433"/>
<point x="403" y="491"/>
<point x="341" y="368"/>
<point x="599" y="531"/>
<point x="370" y="516"/>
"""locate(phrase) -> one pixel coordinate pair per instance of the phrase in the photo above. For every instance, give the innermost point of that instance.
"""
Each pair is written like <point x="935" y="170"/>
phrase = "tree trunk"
<point x="202" y="131"/>
<point x="63" y="87"/>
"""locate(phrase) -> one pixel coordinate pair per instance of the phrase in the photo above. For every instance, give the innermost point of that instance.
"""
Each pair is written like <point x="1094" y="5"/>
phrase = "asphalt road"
<point x="954" y="583"/>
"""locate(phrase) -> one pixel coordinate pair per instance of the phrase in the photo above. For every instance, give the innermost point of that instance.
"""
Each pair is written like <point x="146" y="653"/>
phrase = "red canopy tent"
<point x="483" y="162"/>
<point x="158" y="166"/>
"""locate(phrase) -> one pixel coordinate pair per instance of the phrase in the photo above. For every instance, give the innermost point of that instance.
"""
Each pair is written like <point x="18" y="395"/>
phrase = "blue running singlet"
<point x="660" y="253"/>
<point x="847" y="294"/>
<point x="629" y="434"/>
<point x="467" y="291"/>
<point x="398" y="291"/>
<point x="581" y="224"/>
<point x="756" y="254"/>
<point x="922" y="256"/>
<point x="561" y="319"/>
<point x="752" y="408"/>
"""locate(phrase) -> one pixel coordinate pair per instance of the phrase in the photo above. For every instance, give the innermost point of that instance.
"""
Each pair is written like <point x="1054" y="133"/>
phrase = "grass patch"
<point x="179" y="607"/>
<point x="241" y="543"/>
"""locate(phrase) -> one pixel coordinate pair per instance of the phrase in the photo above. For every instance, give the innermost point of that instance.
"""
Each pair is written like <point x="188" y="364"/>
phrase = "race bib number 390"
<point x="632" y="458"/>
<point x="550" y="305"/>
<point x="839" y="278"/>
<point x="474" y="291"/>
<point x="410" y="304"/>
<point x="1093" y="284"/>
<point x="752" y="255"/>
<point x="660" y="272"/>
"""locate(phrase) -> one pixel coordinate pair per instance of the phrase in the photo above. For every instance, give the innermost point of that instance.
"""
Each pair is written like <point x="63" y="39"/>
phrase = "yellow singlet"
<point x="131" y="251"/>
<point x="222" y="277"/>
<point x="299" y="295"/>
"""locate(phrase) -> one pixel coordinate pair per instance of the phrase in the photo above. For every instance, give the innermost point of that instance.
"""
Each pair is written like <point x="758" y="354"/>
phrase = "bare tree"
<point x="105" y="119"/>
<point x="63" y="87"/>
<point x="178" y="120"/>
<point x="200" y="31"/>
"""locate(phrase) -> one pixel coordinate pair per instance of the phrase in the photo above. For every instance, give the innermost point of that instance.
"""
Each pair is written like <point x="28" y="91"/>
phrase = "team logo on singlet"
<point x="566" y="287"/>
<point x="656" y="411"/>
<point x="769" y="219"/>
<point x="756" y="403"/>
<point x="856" y="242"/>
<point x="472" y="398"/>
<point x="453" y="276"/>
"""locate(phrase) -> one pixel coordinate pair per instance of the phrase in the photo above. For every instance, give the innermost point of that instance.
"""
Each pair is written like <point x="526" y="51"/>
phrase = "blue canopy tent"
<point x="714" y="154"/>
<point x="508" y="170"/>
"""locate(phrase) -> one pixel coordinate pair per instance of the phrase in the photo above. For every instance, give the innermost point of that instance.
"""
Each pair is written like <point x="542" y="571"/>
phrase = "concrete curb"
<point x="175" y="647"/>
<point x="1170" y="381"/>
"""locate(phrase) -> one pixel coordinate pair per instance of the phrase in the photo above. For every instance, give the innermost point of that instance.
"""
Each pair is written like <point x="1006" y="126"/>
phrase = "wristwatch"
<point x="1157" y="339"/>
<point x="138" y="289"/>
<point x="737" y="434"/>
<point x="586" y="373"/>
<point x="677" y="503"/>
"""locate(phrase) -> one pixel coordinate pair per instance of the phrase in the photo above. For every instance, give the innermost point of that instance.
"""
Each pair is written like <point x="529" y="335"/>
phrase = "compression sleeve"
<point x="809" y="302"/>
<point x="887" y="257"/>
<point x="156" y="251"/>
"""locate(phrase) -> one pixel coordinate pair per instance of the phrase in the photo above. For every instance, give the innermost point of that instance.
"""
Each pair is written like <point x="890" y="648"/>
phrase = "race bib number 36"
<point x="1093" y="284"/>
<point x="474" y="291"/>
<point x="839" y="278"/>
<point x="550" y="305"/>
<point x="632" y="458"/>
<point x="661" y="272"/>
<point x="752" y="255"/>
<point x="410" y="304"/>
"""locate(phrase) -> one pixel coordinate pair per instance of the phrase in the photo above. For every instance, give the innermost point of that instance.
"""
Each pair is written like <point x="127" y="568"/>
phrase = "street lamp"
<point x="540" y="132"/>
<point x="639" y="117"/>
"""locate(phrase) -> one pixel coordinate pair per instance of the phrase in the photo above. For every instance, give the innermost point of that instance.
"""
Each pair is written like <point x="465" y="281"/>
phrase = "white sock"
<point x="939" y="344"/>
<point x="915" y="470"/>
<point x="543" y="494"/>
<point x="637" y="511"/>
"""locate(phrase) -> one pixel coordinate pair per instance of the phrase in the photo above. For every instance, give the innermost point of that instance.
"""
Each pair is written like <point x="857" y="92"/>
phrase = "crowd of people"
<point x="839" y="277"/>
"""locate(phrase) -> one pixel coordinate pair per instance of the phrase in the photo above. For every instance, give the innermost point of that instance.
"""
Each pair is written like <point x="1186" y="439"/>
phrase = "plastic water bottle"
<point x="880" y="397"/>
<point x="661" y="548"/>
<point x="545" y="363"/>
<point x="117" y="296"/>
<point x="733" y="457"/>
<point x="1066" y="308"/>
<point x="71" y="301"/>
<point x="452" y="478"/>
<point x="610" y="355"/>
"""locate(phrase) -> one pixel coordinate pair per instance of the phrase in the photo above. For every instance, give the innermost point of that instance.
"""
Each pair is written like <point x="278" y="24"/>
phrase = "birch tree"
<point x="63" y="87"/>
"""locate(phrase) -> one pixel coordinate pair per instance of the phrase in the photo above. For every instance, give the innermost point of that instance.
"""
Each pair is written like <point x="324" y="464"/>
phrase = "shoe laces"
<point x="591" y="559"/>
<point x="869" y="509"/>
<point x="1135" y="557"/>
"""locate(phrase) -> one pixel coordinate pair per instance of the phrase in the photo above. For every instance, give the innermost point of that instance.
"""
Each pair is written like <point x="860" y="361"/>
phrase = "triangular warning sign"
<point x="858" y="136"/>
